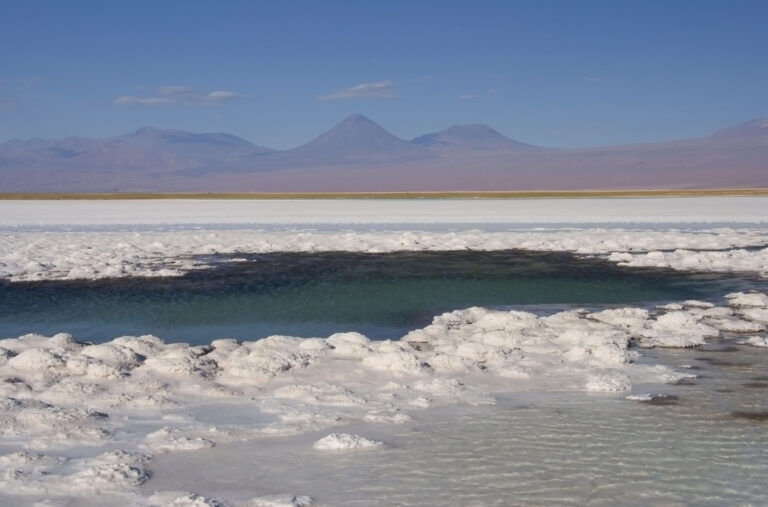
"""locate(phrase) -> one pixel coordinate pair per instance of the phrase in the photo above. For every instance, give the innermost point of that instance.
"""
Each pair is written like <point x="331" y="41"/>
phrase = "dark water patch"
<point x="662" y="400"/>
<point x="685" y="382"/>
<point x="757" y="416"/>
<point x="721" y="349"/>
<point x="718" y="362"/>
<point x="755" y="385"/>
<point x="316" y="294"/>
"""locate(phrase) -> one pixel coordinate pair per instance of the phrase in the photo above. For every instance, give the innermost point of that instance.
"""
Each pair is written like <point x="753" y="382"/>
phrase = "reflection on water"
<point x="317" y="294"/>
<point x="697" y="448"/>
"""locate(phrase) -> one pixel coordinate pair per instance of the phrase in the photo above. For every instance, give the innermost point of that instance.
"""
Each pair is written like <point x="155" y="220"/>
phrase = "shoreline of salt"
<point x="96" y="255"/>
<point x="61" y="397"/>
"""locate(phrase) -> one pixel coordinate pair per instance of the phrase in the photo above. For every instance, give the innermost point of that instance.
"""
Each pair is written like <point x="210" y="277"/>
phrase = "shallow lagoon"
<point x="706" y="447"/>
<point x="317" y="294"/>
<point x="705" y="443"/>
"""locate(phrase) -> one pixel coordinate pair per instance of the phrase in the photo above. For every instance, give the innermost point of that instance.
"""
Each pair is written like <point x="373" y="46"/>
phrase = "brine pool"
<point x="317" y="294"/>
<point x="705" y="443"/>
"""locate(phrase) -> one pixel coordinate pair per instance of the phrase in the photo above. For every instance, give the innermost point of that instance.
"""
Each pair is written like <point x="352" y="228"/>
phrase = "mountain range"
<point x="359" y="155"/>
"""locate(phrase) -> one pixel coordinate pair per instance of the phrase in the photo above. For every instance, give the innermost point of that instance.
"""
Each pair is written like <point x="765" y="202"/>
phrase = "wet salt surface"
<point x="81" y="420"/>
<point x="707" y="444"/>
<point x="481" y="407"/>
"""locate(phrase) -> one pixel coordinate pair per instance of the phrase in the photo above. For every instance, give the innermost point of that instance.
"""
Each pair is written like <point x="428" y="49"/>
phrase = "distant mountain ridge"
<point x="359" y="155"/>
<point x="356" y="139"/>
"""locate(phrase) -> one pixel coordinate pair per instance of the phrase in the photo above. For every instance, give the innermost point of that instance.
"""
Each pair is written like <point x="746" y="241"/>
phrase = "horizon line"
<point x="436" y="194"/>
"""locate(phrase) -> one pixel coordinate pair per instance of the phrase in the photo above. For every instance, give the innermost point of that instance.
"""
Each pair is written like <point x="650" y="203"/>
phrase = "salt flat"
<point x="81" y="419"/>
<point x="383" y="211"/>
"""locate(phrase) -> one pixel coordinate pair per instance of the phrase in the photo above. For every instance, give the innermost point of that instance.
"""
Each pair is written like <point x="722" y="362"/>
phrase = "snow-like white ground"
<point x="72" y="255"/>
<point x="382" y="211"/>
<point x="78" y="420"/>
<point x="62" y="249"/>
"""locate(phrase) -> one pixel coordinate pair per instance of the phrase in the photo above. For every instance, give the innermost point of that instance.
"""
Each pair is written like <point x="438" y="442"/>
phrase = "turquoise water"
<point x="317" y="294"/>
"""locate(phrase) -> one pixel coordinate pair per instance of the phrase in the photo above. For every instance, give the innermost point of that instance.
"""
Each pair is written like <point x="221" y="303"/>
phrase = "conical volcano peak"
<point x="358" y="122"/>
<point x="355" y="136"/>
<point x="470" y="137"/>
<point x="357" y="118"/>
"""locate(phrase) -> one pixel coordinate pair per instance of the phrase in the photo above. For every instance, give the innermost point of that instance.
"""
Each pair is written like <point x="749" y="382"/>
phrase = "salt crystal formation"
<point x="57" y="255"/>
<point x="344" y="441"/>
<point x="62" y="403"/>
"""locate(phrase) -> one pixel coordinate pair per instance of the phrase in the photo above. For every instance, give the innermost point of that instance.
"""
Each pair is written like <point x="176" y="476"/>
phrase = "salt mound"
<point x="603" y="382"/>
<point x="677" y="329"/>
<point x="754" y="314"/>
<point x="394" y="358"/>
<point x="169" y="439"/>
<point x="756" y="341"/>
<point x="625" y="318"/>
<point x="736" y="326"/>
<point x="112" y="471"/>
<point x="115" y="471"/>
<point x="742" y="299"/>
<point x="36" y="360"/>
<point x="344" y="441"/>
<point x="113" y="355"/>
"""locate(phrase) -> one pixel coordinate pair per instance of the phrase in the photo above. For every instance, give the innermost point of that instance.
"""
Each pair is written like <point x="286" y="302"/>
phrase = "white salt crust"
<point x="756" y="341"/>
<point x="80" y="420"/>
<point x="29" y="256"/>
<point x="385" y="211"/>
<point x="344" y="442"/>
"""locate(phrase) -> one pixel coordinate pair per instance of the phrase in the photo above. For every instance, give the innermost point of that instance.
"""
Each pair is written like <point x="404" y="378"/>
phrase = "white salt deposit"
<point x="344" y="441"/>
<point x="640" y="397"/>
<point x="736" y="326"/>
<point x="756" y="341"/>
<point x="65" y="247"/>
<point x="29" y="256"/>
<point x="60" y="398"/>
<point x="757" y="315"/>
<point x="740" y="299"/>
<point x="730" y="260"/>
<point x="79" y="420"/>
<point x="386" y="211"/>
<point x="677" y="329"/>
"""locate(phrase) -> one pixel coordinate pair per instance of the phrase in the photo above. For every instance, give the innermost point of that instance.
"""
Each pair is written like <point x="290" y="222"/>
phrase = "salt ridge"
<point x="61" y="255"/>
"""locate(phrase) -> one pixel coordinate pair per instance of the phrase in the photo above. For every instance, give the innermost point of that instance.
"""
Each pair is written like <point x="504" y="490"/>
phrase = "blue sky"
<point x="554" y="73"/>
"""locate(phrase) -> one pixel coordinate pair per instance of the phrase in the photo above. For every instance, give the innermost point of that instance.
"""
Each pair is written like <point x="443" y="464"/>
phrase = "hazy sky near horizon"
<point x="555" y="73"/>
